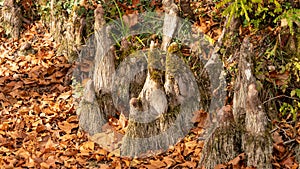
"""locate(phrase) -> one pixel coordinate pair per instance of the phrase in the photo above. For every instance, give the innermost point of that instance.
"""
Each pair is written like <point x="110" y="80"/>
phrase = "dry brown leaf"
<point x="70" y="152"/>
<point x="157" y="163"/>
<point x="289" y="163"/>
<point x="126" y="161"/>
<point x="44" y="165"/>
<point x="65" y="95"/>
<point x="51" y="160"/>
<point x="2" y="97"/>
<point x="104" y="166"/>
<point x="220" y="166"/>
<point x="60" y="87"/>
<point x="130" y="19"/>
<point x="189" y="164"/>
<point x="235" y="162"/>
<point x="279" y="147"/>
<point x="41" y="128"/>
<point x="277" y="137"/>
<point x="87" y="146"/>
<point x="67" y="127"/>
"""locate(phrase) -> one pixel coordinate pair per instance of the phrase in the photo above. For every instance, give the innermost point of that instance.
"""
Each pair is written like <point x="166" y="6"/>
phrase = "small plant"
<point x="257" y="12"/>
<point x="288" y="18"/>
<point x="294" y="107"/>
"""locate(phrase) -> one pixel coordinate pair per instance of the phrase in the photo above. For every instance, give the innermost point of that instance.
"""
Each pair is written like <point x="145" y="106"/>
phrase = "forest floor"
<point x="39" y="126"/>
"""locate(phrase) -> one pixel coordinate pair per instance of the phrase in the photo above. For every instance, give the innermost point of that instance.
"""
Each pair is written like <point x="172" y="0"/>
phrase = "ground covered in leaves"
<point x="38" y="123"/>
<point x="39" y="126"/>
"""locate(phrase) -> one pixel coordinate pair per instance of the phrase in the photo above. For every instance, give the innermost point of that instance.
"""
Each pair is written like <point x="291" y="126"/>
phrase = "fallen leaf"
<point x="87" y="146"/>
<point x="65" y="95"/>
<point x="130" y="19"/>
<point x="67" y="127"/>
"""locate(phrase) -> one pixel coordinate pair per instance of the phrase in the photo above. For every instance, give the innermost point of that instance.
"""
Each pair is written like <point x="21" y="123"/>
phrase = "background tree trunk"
<point x="67" y="30"/>
<point x="12" y="18"/>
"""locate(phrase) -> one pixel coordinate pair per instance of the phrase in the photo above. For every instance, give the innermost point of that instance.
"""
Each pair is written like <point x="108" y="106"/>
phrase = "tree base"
<point x="222" y="146"/>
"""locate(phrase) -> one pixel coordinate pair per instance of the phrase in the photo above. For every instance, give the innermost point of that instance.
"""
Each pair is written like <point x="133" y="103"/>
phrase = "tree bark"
<point x="248" y="110"/>
<point x="297" y="153"/>
<point x="12" y="18"/>
<point x="97" y="104"/>
<point x="248" y="131"/>
<point x="67" y="31"/>
<point x="224" y="142"/>
<point x="91" y="118"/>
<point x="162" y="112"/>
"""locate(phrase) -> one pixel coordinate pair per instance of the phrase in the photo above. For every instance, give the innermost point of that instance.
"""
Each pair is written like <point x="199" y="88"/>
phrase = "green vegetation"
<point x="277" y="65"/>
<point x="258" y="12"/>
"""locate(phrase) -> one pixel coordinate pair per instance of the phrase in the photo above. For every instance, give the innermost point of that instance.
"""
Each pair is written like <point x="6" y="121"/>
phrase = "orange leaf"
<point x="67" y="127"/>
<point x="65" y="95"/>
<point x="104" y="166"/>
<point x="190" y="164"/>
<point x="2" y="96"/>
<point x="235" y="162"/>
<point x="70" y="152"/>
<point x="220" y="166"/>
<point x="87" y="146"/>
<point x="157" y="163"/>
<point x="44" y="165"/>
<point x="169" y="161"/>
<point x="279" y="147"/>
<point x="135" y="2"/>
<point x="290" y="163"/>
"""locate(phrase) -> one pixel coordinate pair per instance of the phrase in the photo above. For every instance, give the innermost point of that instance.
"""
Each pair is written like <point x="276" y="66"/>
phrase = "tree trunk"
<point x="256" y="140"/>
<point x="104" y="64"/>
<point x="12" y="18"/>
<point x="224" y="142"/>
<point x="91" y="118"/>
<point x="162" y="112"/>
<point x="67" y="30"/>
<point x="248" y="132"/>
<point x="97" y="104"/>
<point x="297" y="152"/>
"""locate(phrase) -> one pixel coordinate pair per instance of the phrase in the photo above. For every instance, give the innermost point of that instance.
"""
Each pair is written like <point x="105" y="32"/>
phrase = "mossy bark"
<point x="248" y="130"/>
<point x="162" y="113"/>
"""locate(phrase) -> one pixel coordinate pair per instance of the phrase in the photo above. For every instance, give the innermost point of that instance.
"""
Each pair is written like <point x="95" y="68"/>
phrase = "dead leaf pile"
<point x="39" y="126"/>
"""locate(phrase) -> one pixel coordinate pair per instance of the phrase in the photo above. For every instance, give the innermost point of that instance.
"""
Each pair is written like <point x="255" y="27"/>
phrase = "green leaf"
<point x="256" y="1"/>
<point x="298" y="92"/>
<point x="293" y="92"/>
<point x="278" y="7"/>
<point x="245" y="10"/>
